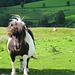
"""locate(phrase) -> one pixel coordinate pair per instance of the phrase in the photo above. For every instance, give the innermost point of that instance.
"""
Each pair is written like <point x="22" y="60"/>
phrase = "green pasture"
<point x="58" y="61"/>
<point x="55" y="50"/>
<point x="29" y="13"/>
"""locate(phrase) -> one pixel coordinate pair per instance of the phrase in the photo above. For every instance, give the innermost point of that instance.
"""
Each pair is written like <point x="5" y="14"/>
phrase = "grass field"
<point x="58" y="61"/>
<point x="55" y="50"/>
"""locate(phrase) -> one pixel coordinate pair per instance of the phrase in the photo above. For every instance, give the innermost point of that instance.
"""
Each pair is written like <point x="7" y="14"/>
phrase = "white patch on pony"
<point x="8" y="42"/>
<point x="13" y="68"/>
<point x="21" y="66"/>
<point x="25" y="64"/>
<point x="30" y="41"/>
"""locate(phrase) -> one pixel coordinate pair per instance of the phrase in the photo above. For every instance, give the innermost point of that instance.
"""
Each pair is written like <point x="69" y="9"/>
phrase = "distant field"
<point x="49" y="3"/>
<point x="36" y="10"/>
<point x="51" y="62"/>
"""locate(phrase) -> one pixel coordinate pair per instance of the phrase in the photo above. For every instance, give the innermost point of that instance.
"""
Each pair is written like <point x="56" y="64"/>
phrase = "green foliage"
<point x="4" y="19"/>
<point x="71" y="26"/>
<point x="44" y="5"/>
<point x="68" y="3"/>
<point x="43" y="21"/>
<point x="28" y="1"/>
<point x="22" y="4"/>
<point x="60" y="18"/>
<point x="29" y="23"/>
<point x="6" y="3"/>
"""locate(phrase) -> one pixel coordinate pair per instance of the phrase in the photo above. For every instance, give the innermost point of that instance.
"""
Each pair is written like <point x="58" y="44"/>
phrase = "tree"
<point x="60" y="17"/>
<point x="22" y="4"/>
<point x="43" y="21"/>
<point x="43" y="5"/>
<point x="4" y="19"/>
<point x="24" y="1"/>
<point x="6" y="3"/>
<point x="68" y="3"/>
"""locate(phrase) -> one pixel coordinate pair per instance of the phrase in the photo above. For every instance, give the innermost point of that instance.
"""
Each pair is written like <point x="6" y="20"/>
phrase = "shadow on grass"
<point x="40" y="72"/>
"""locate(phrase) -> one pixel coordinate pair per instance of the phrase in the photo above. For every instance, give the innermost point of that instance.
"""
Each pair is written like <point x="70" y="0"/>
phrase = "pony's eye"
<point x="10" y="35"/>
<point x="14" y="35"/>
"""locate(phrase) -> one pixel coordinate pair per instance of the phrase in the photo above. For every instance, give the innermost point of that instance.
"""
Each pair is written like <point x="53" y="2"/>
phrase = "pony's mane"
<point x="16" y="18"/>
<point x="16" y="25"/>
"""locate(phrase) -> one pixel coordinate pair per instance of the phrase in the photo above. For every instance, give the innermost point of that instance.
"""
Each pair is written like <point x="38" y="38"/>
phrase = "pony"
<point x="20" y="43"/>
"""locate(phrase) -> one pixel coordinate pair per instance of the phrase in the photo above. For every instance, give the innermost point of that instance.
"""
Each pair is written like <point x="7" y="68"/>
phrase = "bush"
<point x="60" y="18"/>
<point x="43" y="5"/>
<point x="43" y="21"/>
<point x="29" y="23"/>
<point x="71" y="24"/>
<point x="22" y="4"/>
<point x="4" y="19"/>
<point x="68" y="3"/>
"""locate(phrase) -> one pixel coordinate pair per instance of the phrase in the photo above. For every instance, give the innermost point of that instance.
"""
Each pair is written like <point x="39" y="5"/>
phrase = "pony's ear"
<point x="10" y="25"/>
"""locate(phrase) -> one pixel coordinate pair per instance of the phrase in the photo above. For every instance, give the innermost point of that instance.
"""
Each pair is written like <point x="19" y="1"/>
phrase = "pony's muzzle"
<point x="17" y="45"/>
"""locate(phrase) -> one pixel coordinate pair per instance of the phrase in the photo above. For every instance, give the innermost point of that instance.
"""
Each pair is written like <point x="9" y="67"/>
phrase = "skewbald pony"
<point x="20" y="43"/>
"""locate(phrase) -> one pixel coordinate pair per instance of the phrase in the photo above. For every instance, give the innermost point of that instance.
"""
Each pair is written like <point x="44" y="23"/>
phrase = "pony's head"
<point x="16" y="31"/>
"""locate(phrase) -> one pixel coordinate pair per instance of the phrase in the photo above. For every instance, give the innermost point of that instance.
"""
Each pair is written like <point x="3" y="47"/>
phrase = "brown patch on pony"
<point x="15" y="28"/>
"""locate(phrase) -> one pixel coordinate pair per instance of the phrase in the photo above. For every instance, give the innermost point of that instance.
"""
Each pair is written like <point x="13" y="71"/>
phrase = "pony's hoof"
<point x="13" y="73"/>
<point x="27" y="70"/>
<point x="20" y="70"/>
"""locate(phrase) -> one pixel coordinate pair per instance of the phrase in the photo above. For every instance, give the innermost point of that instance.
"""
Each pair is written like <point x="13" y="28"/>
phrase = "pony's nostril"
<point x="18" y="47"/>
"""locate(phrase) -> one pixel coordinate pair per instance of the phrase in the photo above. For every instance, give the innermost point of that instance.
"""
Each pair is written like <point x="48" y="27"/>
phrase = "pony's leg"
<point x="13" y="64"/>
<point x="21" y="65"/>
<point x="27" y="65"/>
<point x="13" y="68"/>
<point x="25" y="57"/>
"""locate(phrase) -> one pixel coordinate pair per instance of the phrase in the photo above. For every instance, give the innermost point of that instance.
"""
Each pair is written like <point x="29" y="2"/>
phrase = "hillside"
<point x="50" y="3"/>
<point x="35" y="9"/>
